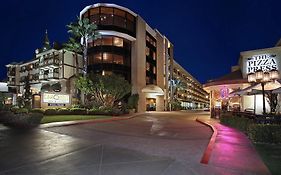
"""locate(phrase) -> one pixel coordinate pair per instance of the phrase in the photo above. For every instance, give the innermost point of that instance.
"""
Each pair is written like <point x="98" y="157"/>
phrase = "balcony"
<point x="50" y="76"/>
<point x="11" y="83"/>
<point x="49" y="63"/>
<point x="11" y="73"/>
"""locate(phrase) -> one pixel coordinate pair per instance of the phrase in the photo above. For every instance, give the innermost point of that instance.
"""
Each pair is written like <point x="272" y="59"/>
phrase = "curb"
<point x="70" y="123"/>
<point x="207" y="153"/>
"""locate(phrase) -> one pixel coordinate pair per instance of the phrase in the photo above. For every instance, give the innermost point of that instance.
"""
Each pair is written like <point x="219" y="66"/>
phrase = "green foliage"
<point x="265" y="133"/>
<point x="27" y="96"/>
<point x="37" y="110"/>
<point x="20" y="101"/>
<point x="133" y="101"/>
<point x="21" y="120"/>
<point x="2" y="100"/>
<point x="272" y="101"/>
<point x="176" y="105"/>
<point x="104" y="90"/>
<point x="237" y="122"/>
<point x="18" y="110"/>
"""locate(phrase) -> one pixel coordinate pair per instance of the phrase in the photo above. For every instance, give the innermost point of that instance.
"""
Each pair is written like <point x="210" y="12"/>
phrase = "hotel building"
<point x="128" y="46"/>
<point x="234" y="91"/>
<point x="50" y="74"/>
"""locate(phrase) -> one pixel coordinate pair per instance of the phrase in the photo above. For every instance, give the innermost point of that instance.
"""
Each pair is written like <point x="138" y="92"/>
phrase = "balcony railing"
<point x="54" y="62"/>
<point x="49" y="76"/>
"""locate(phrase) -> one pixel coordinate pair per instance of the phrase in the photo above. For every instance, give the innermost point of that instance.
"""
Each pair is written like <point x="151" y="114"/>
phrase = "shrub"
<point x="265" y="133"/>
<point x="237" y="122"/>
<point x="20" y="110"/>
<point x="133" y="101"/>
<point x="37" y="110"/>
<point x="21" y="120"/>
<point x="78" y="111"/>
<point x="51" y="111"/>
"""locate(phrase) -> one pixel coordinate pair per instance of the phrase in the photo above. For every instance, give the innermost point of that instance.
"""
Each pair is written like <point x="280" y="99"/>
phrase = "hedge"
<point x="263" y="133"/>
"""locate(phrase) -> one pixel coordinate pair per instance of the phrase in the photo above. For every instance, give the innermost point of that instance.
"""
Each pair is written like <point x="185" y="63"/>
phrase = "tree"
<point x="175" y="85"/>
<point x="84" y="30"/>
<point x="75" y="47"/>
<point x="272" y="100"/>
<point x="27" y="93"/>
<point x="104" y="90"/>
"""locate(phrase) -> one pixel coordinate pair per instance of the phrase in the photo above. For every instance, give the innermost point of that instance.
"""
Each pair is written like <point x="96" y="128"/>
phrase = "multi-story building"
<point x="127" y="46"/>
<point x="192" y="95"/>
<point x="52" y="67"/>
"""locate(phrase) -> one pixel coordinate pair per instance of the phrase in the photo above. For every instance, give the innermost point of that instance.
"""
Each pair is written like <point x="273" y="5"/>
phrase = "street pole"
<point x="263" y="98"/>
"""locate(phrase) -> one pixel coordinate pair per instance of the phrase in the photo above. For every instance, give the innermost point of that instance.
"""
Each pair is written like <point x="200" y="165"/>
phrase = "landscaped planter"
<point x="20" y="120"/>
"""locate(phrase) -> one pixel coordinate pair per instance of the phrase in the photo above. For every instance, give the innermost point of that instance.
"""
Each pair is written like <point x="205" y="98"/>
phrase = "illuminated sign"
<point x="55" y="98"/>
<point x="264" y="62"/>
<point x="224" y="92"/>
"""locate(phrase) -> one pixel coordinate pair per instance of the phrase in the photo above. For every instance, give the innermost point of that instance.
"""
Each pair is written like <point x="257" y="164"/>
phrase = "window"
<point x="147" y="51"/>
<point x="97" y="58"/>
<point x="154" y="56"/>
<point x="107" y="58"/>
<point x="118" y="42"/>
<point x="154" y="69"/>
<point x="107" y="41"/>
<point x="147" y="66"/>
<point x="97" y="42"/>
<point x="118" y="59"/>
<point x="94" y="11"/>
<point x="106" y="17"/>
<point x="120" y="13"/>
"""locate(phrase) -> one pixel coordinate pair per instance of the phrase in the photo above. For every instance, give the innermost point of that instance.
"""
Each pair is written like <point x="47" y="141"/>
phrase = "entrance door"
<point x="150" y="104"/>
<point x="36" y="101"/>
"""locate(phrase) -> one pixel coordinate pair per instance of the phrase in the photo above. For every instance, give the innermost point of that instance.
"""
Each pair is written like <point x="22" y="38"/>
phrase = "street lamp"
<point x="263" y="77"/>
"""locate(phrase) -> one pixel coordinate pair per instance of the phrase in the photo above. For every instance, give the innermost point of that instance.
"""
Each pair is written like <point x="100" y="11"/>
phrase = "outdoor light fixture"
<point x="263" y="77"/>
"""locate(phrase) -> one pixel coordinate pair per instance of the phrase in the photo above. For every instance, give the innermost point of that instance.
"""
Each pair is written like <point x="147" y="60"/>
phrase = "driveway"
<point x="153" y="143"/>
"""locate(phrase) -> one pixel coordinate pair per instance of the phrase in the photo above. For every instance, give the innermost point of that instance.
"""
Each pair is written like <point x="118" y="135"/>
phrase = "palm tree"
<point x="75" y="47"/>
<point x="85" y="30"/>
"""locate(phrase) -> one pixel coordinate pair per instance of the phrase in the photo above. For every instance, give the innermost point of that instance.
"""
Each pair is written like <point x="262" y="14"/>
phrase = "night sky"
<point x="208" y="35"/>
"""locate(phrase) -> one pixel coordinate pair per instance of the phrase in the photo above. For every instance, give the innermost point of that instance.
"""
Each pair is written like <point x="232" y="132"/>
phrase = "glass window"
<point x="147" y="66"/>
<point x="130" y="17"/>
<point x="97" y="42"/>
<point x="154" y="55"/>
<point x="118" y="42"/>
<point x="119" y="21"/>
<point x="147" y="51"/>
<point x="154" y="69"/>
<point x="120" y="13"/>
<point x="97" y="58"/>
<point x="118" y="59"/>
<point x="94" y="11"/>
<point x="130" y="26"/>
<point x="107" y="41"/>
<point x="107" y="10"/>
<point x="107" y="58"/>
<point x="95" y="19"/>
<point x="90" y="43"/>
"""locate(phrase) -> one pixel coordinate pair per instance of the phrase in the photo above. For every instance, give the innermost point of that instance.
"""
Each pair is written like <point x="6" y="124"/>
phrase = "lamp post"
<point x="263" y="77"/>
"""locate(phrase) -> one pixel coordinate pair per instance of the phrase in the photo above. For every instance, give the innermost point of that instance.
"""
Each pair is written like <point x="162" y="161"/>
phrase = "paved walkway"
<point x="233" y="151"/>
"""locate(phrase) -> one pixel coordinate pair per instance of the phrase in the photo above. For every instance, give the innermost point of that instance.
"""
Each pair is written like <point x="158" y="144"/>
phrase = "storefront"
<point x="249" y="85"/>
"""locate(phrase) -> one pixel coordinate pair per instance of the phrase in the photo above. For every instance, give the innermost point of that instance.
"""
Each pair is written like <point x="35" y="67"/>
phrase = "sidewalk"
<point x="231" y="149"/>
<point x="79" y="122"/>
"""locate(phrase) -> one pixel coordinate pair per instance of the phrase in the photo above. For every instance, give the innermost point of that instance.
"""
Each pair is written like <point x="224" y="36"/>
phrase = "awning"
<point x="156" y="90"/>
<point x="244" y="91"/>
<point x="269" y="86"/>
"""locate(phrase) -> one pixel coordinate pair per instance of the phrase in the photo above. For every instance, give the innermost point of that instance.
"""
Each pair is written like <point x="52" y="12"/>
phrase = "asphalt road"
<point x="153" y="143"/>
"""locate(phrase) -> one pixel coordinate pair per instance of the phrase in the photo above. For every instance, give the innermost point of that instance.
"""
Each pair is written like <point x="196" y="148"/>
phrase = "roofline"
<point x="107" y="5"/>
<point x="187" y="72"/>
<point x="225" y="82"/>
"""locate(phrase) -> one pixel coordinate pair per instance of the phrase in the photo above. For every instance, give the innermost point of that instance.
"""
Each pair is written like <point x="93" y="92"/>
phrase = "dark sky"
<point x="207" y="35"/>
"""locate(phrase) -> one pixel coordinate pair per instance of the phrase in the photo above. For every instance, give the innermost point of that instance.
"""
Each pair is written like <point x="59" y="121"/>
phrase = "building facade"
<point x="234" y="91"/>
<point x="130" y="47"/>
<point x="50" y="75"/>
<point x="127" y="46"/>
<point x="191" y="95"/>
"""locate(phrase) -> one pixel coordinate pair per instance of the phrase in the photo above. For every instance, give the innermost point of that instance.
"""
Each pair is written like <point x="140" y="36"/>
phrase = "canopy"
<point x="153" y="89"/>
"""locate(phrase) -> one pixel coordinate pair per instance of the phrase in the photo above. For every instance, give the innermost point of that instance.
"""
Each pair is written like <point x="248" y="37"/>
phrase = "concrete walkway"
<point x="233" y="151"/>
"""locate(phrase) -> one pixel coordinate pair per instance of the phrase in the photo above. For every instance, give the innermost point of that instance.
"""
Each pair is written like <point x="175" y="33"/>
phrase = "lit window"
<point x="107" y="58"/>
<point x="147" y="51"/>
<point x="118" y="59"/>
<point x="118" y="42"/>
